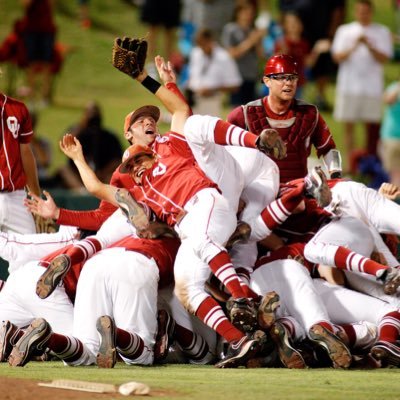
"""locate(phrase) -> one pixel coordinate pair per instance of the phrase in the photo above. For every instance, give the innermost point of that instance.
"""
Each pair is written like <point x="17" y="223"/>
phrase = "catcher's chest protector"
<point x="297" y="136"/>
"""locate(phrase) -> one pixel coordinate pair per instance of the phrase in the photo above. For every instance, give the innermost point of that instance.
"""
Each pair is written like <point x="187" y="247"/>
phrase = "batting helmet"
<point x="281" y="64"/>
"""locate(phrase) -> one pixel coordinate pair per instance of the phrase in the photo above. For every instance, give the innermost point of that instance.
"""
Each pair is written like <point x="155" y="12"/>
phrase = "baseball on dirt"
<point x="133" y="388"/>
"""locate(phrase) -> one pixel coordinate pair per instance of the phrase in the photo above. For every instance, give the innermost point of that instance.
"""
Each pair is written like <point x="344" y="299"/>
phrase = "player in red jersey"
<point x="299" y="124"/>
<point x="17" y="166"/>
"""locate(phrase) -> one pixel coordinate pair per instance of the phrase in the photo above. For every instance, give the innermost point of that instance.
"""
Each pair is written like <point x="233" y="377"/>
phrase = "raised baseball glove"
<point x="129" y="55"/>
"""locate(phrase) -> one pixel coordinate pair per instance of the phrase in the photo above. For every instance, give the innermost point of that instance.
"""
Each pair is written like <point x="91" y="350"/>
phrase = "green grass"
<point x="88" y="75"/>
<point x="206" y="382"/>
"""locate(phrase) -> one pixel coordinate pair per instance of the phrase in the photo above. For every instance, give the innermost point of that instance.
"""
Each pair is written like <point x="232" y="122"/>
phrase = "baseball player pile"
<point x="213" y="244"/>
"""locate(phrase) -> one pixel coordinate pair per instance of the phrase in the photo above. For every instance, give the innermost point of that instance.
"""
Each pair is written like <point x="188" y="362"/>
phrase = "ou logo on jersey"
<point x="161" y="169"/>
<point x="13" y="126"/>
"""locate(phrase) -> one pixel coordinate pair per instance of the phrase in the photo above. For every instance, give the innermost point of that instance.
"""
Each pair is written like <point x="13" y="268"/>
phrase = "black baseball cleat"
<point x="240" y="235"/>
<point x="390" y="278"/>
<point x="242" y="313"/>
<point x="266" y="310"/>
<point x="386" y="352"/>
<point x="240" y="351"/>
<point x="8" y="332"/>
<point x="289" y="356"/>
<point x="165" y="335"/>
<point x="316" y="186"/>
<point x="338" y="352"/>
<point x="53" y="275"/>
<point x="132" y="209"/>
<point x="33" y="341"/>
<point x="107" y="355"/>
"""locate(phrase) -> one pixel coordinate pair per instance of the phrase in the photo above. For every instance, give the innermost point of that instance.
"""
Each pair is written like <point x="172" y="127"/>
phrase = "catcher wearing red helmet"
<point x="299" y="124"/>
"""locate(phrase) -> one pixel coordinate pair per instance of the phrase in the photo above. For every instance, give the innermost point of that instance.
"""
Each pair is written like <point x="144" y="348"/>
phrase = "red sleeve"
<point x="93" y="219"/>
<point x="25" y="130"/>
<point x="322" y="138"/>
<point x="236" y="117"/>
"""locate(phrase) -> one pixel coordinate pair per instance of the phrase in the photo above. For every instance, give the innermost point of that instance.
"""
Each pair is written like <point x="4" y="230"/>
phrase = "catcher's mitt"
<point x="44" y="225"/>
<point x="129" y="55"/>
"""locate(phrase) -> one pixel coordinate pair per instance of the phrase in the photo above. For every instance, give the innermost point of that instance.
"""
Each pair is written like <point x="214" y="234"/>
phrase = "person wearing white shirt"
<point x="361" y="48"/>
<point x="212" y="72"/>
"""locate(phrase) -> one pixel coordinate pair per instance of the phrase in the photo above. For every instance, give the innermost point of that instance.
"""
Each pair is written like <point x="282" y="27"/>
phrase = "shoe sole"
<point x="5" y="345"/>
<point x="266" y="311"/>
<point x="53" y="275"/>
<point x="163" y="338"/>
<point x="382" y="353"/>
<point x="133" y="211"/>
<point x="248" y="351"/>
<point x="34" y="337"/>
<point x="289" y="356"/>
<point x="391" y="286"/>
<point x="338" y="352"/>
<point x="107" y="355"/>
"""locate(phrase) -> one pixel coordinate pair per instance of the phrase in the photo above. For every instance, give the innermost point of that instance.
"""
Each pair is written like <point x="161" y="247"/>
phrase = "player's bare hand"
<point x="165" y="70"/>
<point x="46" y="207"/>
<point x="71" y="147"/>
<point x="390" y="191"/>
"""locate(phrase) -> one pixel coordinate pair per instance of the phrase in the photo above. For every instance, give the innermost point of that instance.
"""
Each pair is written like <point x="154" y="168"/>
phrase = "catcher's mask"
<point x="151" y="111"/>
<point x="131" y="153"/>
<point x="281" y="64"/>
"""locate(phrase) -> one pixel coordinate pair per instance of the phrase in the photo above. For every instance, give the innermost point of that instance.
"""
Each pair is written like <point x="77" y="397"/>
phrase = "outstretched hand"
<point x="71" y="147"/>
<point x="45" y="208"/>
<point x="165" y="70"/>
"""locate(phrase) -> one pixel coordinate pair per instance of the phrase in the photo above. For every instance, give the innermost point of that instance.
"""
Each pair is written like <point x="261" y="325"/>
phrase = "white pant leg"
<point x="294" y="285"/>
<point x="208" y="224"/>
<point x="20" y="304"/>
<point x="190" y="275"/>
<point x="347" y="306"/>
<point x="214" y="159"/>
<point x="123" y="285"/>
<point x="14" y="216"/>
<point x="167" y="300"/>
<point x="367" y="204"/>
<point x="368" y="284"/>
<point x="347" y="232"/>
<point x="21" y="248"/>
<point x="381" y="247"/>
<point x="114" y="228"/>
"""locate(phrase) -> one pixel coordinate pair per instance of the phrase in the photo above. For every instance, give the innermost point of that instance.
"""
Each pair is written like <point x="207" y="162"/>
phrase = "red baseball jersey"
<point x="173" y="179"/>
<point x="16" y="128"/>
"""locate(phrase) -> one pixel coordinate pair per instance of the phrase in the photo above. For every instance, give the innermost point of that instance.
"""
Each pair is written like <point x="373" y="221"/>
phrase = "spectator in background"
<point x="320" y="20"/>
<point x="390" y="132"/>
<point x="162" y="19"/>
<point x="360" y="48"/>
<point x="84" y="15"/>
<point x="39" y="33"/>
<point x="294" y="44"/>
<point x="244" y="43"/>
<point x="101" y="147"/>
<point x="212" y="72"/>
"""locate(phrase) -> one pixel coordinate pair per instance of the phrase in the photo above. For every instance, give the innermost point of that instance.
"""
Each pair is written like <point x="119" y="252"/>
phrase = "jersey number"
<point x="160" y="169"/>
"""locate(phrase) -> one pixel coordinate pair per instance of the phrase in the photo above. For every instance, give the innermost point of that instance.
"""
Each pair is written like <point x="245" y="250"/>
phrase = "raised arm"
<point x="72" y="148"/>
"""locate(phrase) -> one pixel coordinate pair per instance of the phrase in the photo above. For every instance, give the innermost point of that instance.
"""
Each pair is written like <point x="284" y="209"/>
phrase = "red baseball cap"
<point x="281" y="64"/>
<point x="151" y="111"/>
<point x="132" y="152"/>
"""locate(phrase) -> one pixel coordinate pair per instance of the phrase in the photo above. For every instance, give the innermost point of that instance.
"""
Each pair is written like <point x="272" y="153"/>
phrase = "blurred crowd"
<point x="219" y="47"/>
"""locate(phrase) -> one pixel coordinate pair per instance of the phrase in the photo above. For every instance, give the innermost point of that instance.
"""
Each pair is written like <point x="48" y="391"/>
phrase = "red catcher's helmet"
<point x="281" y="64"/>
